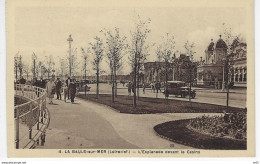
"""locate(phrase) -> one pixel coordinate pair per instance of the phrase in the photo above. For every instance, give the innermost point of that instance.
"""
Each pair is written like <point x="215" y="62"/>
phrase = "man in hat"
<point x="58" y="89"/>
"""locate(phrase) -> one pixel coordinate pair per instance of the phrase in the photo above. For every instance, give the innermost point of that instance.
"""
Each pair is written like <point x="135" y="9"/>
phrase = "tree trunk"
<point x="115" y="87"/>
<point x="16" y="73"/>
<point x="134" y="82"/>
<point x="97" y="83"/>
<point x="85" y="79"/>
<point x="138" y="80"/>
<point x="166" y="80"/>
<point x="112" y="81"/>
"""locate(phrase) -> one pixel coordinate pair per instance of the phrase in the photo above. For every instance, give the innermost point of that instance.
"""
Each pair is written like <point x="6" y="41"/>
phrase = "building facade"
<point x="213" y="72"/>
<point x="238" y="57"/>
<point x="155" y="71"/>
<point x="180" y="69"/>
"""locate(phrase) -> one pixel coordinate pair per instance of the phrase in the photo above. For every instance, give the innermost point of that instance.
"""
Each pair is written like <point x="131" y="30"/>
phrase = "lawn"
<point x="145" y="105"/>
<point x="177" y="131"/>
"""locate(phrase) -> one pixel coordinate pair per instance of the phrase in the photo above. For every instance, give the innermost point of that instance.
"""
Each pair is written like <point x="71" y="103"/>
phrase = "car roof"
<point x="176" y="82"/>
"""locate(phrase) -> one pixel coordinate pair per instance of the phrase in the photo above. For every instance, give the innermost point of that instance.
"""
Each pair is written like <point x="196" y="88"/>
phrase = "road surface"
<point x="237" y="97"/>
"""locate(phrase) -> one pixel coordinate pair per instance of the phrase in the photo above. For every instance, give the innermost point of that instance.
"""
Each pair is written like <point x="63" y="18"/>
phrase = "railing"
<point x="31" y="118"/>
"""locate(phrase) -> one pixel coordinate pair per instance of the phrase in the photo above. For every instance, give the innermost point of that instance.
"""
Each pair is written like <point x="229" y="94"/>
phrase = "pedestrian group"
<point x="69" y="88"/>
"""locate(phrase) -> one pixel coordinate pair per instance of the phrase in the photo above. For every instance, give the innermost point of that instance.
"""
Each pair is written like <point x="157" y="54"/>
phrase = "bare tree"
<point x="189" y="49"/>
<point x="138" y="49"/>
<point x="97" y="50"/>
<point x="85" y="58"/>
<point x="34" y="65"/>
<point x="62" y="67"/>
<point x="190" y="52"/>
<point x="115" y="45"/>
<point x="165" y="52"/>
<point x="228" y="62"/>
<point x="40" y="67"/>
<point x="49" y="64"/>
<point x="20" y="66"/>
<point x="16" y="63"/>
<point x="26" y="70"/>
<point x="73" y="62"/>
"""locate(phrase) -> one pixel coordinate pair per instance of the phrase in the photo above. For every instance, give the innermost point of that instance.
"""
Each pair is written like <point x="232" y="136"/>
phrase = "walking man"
<point x="72" y="90"/>
<point x="58" y="89"/>
<point x="68" y="84"/>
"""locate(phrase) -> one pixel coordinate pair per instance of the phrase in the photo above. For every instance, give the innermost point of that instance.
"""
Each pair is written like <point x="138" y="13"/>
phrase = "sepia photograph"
<point x="121" y="78"/>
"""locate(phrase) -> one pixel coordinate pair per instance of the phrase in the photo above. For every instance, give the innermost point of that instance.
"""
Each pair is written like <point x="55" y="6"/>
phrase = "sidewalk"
<point x="90" y="125"/>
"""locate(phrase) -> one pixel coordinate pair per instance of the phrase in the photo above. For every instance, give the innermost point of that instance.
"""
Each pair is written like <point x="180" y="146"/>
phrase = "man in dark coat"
<point x="68" y="83"/>
<point x="72" y="90"/>
<point x="58" y="89"/>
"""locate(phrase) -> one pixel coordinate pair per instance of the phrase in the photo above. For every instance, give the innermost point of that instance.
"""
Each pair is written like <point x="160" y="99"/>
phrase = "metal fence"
<point x="31" y="118"/>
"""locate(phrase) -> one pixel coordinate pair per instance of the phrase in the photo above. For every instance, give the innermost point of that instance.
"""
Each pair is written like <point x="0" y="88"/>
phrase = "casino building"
<point x="239" y="58"/>
<point x="210" y="72"/>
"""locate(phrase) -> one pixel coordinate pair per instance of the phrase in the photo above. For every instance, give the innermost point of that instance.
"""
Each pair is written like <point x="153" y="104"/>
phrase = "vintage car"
<point x="178" y="88"/>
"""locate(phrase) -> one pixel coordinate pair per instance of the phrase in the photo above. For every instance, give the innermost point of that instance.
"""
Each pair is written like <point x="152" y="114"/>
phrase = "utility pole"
<point x="70" y="40"/>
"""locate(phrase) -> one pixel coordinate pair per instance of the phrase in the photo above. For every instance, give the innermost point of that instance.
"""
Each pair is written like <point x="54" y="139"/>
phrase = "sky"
<point x="44" y="30"/>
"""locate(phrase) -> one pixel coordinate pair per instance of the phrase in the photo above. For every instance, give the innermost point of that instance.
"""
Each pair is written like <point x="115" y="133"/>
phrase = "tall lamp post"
<point x="70" y="40"/>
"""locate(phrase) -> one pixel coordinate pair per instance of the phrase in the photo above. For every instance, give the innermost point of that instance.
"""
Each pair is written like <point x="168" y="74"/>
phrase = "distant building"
<point x="155" y="71"/>
<point x="184" y="69"/>
<point x="210" y="72"/>
<point x="180" y="69"/>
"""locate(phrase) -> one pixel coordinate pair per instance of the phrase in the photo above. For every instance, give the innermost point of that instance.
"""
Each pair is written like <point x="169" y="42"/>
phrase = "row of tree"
<point x="114" y="47"/>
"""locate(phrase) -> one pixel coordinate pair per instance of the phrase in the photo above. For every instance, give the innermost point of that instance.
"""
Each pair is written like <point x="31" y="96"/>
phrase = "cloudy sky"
<point x="44" y="30"/>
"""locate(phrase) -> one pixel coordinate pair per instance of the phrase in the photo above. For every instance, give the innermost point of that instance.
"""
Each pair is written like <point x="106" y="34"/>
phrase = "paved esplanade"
<point x="90" y="125"/>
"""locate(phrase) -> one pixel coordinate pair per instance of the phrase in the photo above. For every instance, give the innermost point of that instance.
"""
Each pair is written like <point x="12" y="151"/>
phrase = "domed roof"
<point x="211" y="46"/>
<point x="220" y="43"/>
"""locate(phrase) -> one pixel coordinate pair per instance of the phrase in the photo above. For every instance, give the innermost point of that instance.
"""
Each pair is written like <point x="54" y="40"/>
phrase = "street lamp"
<point x="70" y="40"/>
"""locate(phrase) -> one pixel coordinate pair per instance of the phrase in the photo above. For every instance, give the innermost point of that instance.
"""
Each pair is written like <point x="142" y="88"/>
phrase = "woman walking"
<point x="50" y="87"/>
